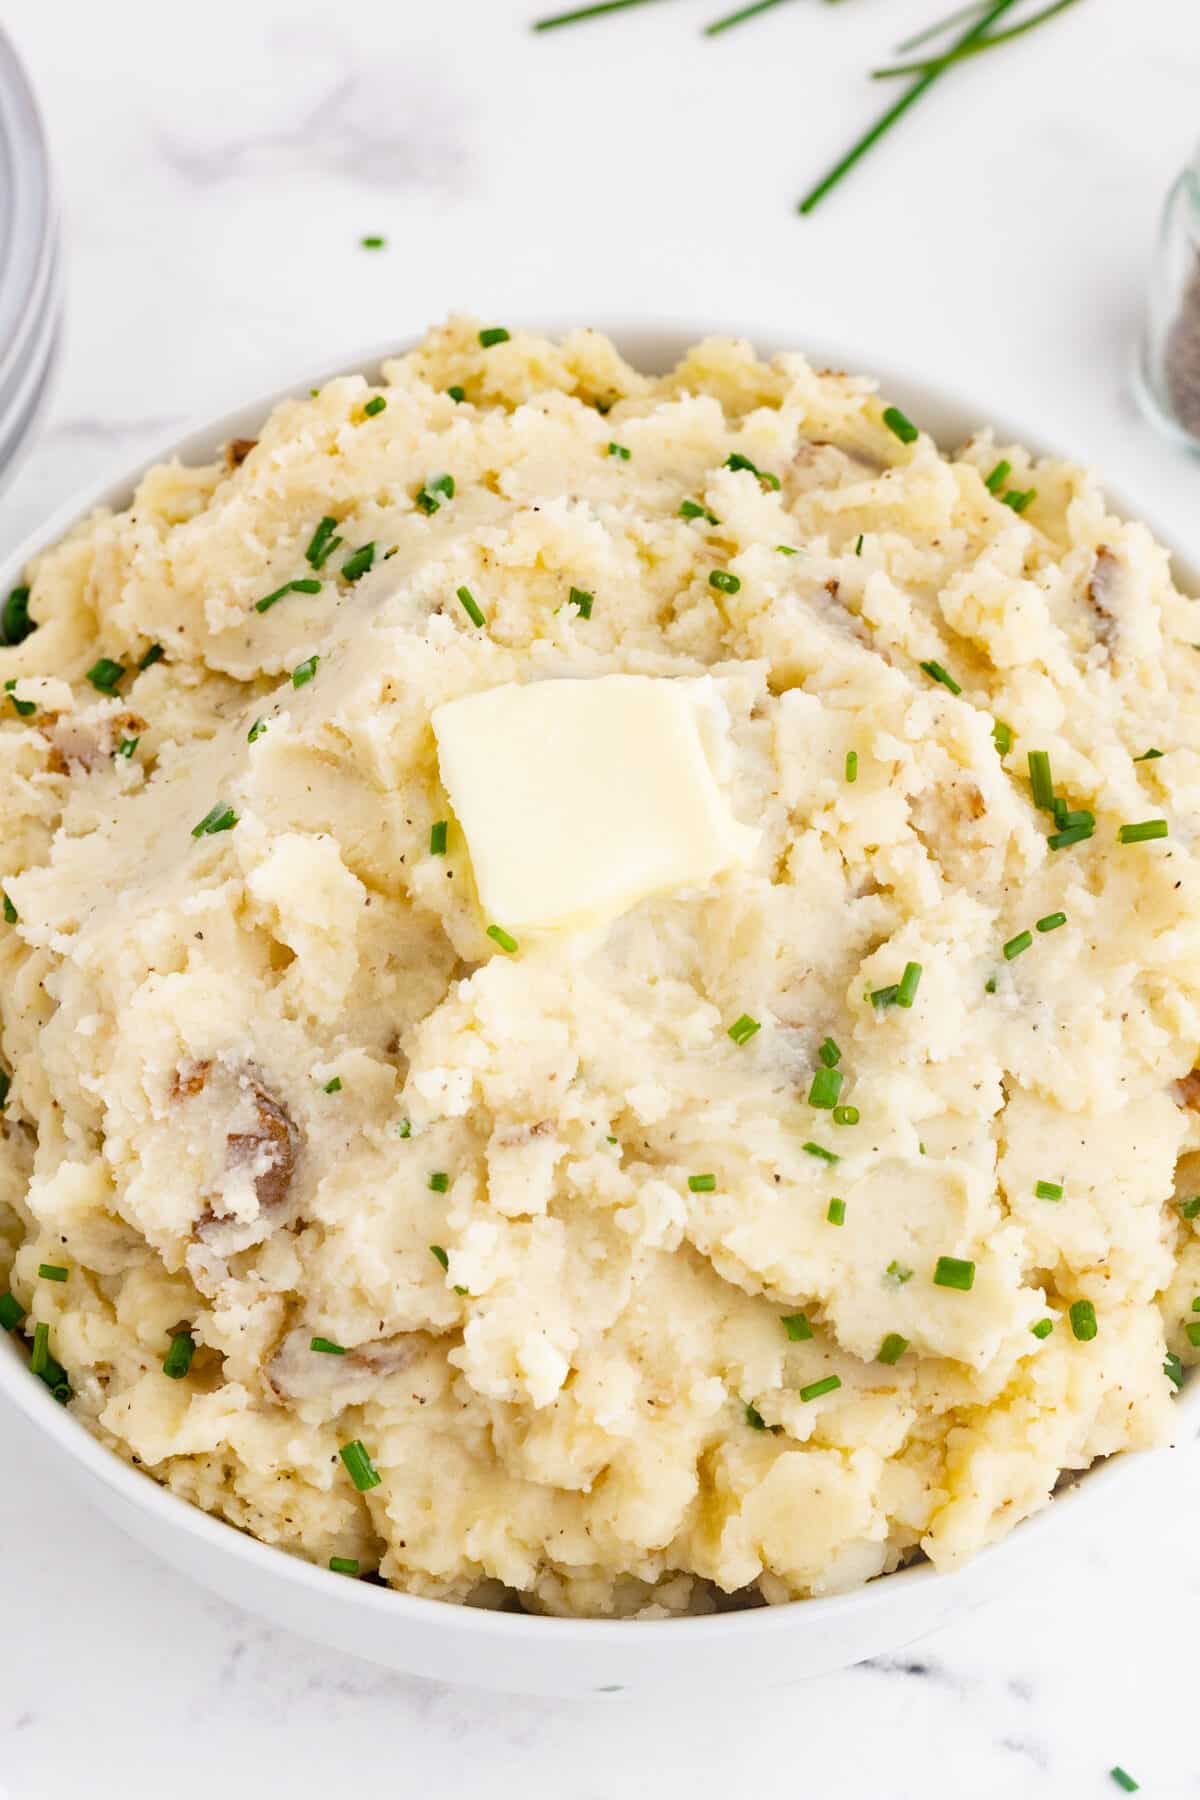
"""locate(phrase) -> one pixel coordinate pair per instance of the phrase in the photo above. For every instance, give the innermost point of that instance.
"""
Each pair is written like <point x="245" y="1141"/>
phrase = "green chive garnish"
<point x="1190" y="1209"/>
<point x="1173" y="1369"/>
<point x="373" y="243"/>
<point x="829" y="1054"/>
<point x="404" y="1128"/>
<point x="304" y="672"/>
<point x="852" y="765"/>
<point x="11" y="1312"/>
<point x="1193" y="1333"/>
<point x="40" y="1356"/>
<point x="582" y="601"/>
<point x="493" y="334"/>
<point x="334" y="1086"/>
<point x="754" y="1418"/>
<point x="1043" y="1328"/>
<point x="822" y="1154"/>
<point x="784" y="549"/>
<point x="702" y="1184"/>
<point x="1142" y="834"/>
<point x="15" y="622"/>
<point x="892" y="1348"/>
<point x="439" y="1181"/>
<point x="11" y="916"/>
<point x="105" y="674"/>
<point x="692" y="509"/>
<point x="836" y="1213"/>
<point x="1148" y="756"/>
<point x="858" y="545"/>
<point x="126" y="747"/>
<point x="906" y="990"/>
<point x="256" y="731"/>
<point x="621" y="451"/>
<point x="952" y="1272"/>
<point x="1016" y="945"/>
<point x="936" y="673"/>
<point x="359" y="1466"/>
<point x="743" y="1029"/>
<point x="471" y="606"/>
<point x="22" y="707"/>
<point x="1049" y="1190"/>
<point x="883" y="997"/>
<point x="999" y="475"/>
<point x="1019" y="500"/>
<point x="1071" y="834"/>
<point x="5" y="1088"/>
<point x="322" y="542"/>
<point x="374" y="406"/>
<point x="897" y="1273"/>
<point x="899" y="426"/>
<point x="815" y="1389"/>
<point x="437" y="1251"/>
<point x="357" y="564"/>
<point x="738" y="461"/>
<point x="437" y="837"/>
<point x="1041" y="780"/>
<point x="1083" y="1320"/>
<point x="506" y="941"/>
<point x="1052" y="921"/>
<point x="826" y="1086"/>
<point x="304" y="586"/>
<point x="846" y="1115"/>
<point x="52" y="1272"/>
<point x="1002" y="737"/>
<point x="326" y="1347"/>
<point x="344" y="1565"/>
<point x="219" y="817"/>
<point x="723" y="581"/>
<point x="178" y="1359"/>
<point x="1123" y="1779"/>
<point x="154" y="654"/>
<point x="796" y="1326"/>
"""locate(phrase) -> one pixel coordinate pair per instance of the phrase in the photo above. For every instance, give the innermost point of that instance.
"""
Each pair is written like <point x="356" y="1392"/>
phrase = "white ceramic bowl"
<point x="509" y="1651"/>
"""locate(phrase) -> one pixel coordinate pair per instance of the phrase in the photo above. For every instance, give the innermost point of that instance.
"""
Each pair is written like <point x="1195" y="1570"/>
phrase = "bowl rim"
<point x="950" y="416"/>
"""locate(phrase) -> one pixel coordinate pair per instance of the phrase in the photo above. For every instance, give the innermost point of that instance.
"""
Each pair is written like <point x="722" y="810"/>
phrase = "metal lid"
<point x="30" y="272"/>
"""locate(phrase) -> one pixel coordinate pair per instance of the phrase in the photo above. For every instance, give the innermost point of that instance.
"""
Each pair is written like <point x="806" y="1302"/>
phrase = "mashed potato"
<point x="785" y="1225"/>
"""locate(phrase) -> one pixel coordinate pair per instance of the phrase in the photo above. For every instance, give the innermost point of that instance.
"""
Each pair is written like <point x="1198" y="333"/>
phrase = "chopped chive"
<point x="852" y="765"/>
<point x="359" y="1466"/>
<point x="1142" y="834"/>
<point x="219" y="817"/>
<point x="358" y="562"/>
<point x="1190" y="1209"/>
<point x="326" y="1347"/>
<point x="1123" y="1779"/>
<point x="754" y="1418"/>
<point x="439" y="1181"/>
<point x="953" y="1272"/>
<point x="787" y="550"/>
<point x="40" y="1356"/>
<point x="304" y="586"/>
<point x="437" y="837"/>
<point x="820" y="1152"/>
<point x="892" y="1348"/>
<point x="829" y="1054"/>
<point x="457" y="394"/>
<point x="797" y="1327"/>
<point x="815" y="1389"/>
<point x="900" y="426"/>
<point x="1148" y="756"/>
<point x="493" y="334"/>
<point x="826" y="1086"/>
<point x="126" y="747"/>
<point x="1017" y="945"/>
<point x="1173" y="1369"/>
<point x="11" y="916"/>
<point x="344" y="1565"/>
<point x="304" y="672"/>
<point x="322" y="542"/>
<point x="374" y="406"/>
<point x="858" y="545"/>
<point x="897" y="1273"/>
<point x="743" y="1029"/>
<point x="692" y="509"/>
<point x="723" y="581"/>
<point x="154" y="654"/>
<point x="582" y="601"/>
<point x="702" y="1184"/>
<point x="256" y="731"/>
<point x="935" y="672"/>
<point x="836" y="1212"/>
<point x="621" y="451"/>
<point x="1083" y="1320"/>
<point x="883" y="997"/>
<point x="1002" y="737"/>
<point x="846" y="1115"/>
<point x="105" y="674"/>
<point x="178" y="1359"/>
<point x="404" y="1128"/>
<point x="52" y="1272"/>
<point x="989" y="986"/>
<point x="1017" y="499"/>
<point x="334" y="1086"/>
<point x="1072" y="834"/>
<point x="1049" y="1190"/>
<point x="738" y="461"/>
<point x="506" y="941"/>
<point x="1051" y="921"/>
<point x="437" y="1251"/>
<point x="470" y="606"/>
<point x="1041" y="780"/>
<point x="11" y="1312"/>
<point x="22" y="707"/>
<point x="1193" y="1333"/>
<point x="910" y="981"/>
<point x="373" y="243"/>
<point x="999" y="475"/>
<point x="1043" y="1328"/>
<point x="15" y="622"/>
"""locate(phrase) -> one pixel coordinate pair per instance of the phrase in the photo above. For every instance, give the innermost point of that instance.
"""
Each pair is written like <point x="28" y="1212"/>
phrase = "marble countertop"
<point x="218" y="169"/>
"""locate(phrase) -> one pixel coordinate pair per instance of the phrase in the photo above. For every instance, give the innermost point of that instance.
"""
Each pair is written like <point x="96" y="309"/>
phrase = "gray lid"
<point x="30" y="279"/>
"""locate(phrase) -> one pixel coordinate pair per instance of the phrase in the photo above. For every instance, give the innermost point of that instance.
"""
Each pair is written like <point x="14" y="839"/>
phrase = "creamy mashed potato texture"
<point x="785" y="1193"/>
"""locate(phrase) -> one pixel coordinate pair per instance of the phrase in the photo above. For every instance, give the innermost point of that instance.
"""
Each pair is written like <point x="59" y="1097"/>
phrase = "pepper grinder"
<point x="1170" y="355"/>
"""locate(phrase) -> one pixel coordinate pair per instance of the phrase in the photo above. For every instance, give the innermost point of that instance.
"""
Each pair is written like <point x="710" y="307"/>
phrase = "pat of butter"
<point x="580" y="798"/>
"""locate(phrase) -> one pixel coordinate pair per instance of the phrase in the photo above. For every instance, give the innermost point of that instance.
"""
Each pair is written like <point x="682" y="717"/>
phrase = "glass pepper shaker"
<point x="1170" y="357"/>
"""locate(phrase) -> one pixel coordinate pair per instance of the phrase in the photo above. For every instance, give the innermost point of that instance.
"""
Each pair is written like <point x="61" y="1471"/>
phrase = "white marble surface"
<point x="219" y="165"/>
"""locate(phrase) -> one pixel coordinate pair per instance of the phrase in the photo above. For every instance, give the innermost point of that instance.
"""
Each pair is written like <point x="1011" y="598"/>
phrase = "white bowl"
<point x="510" y="1651"/>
